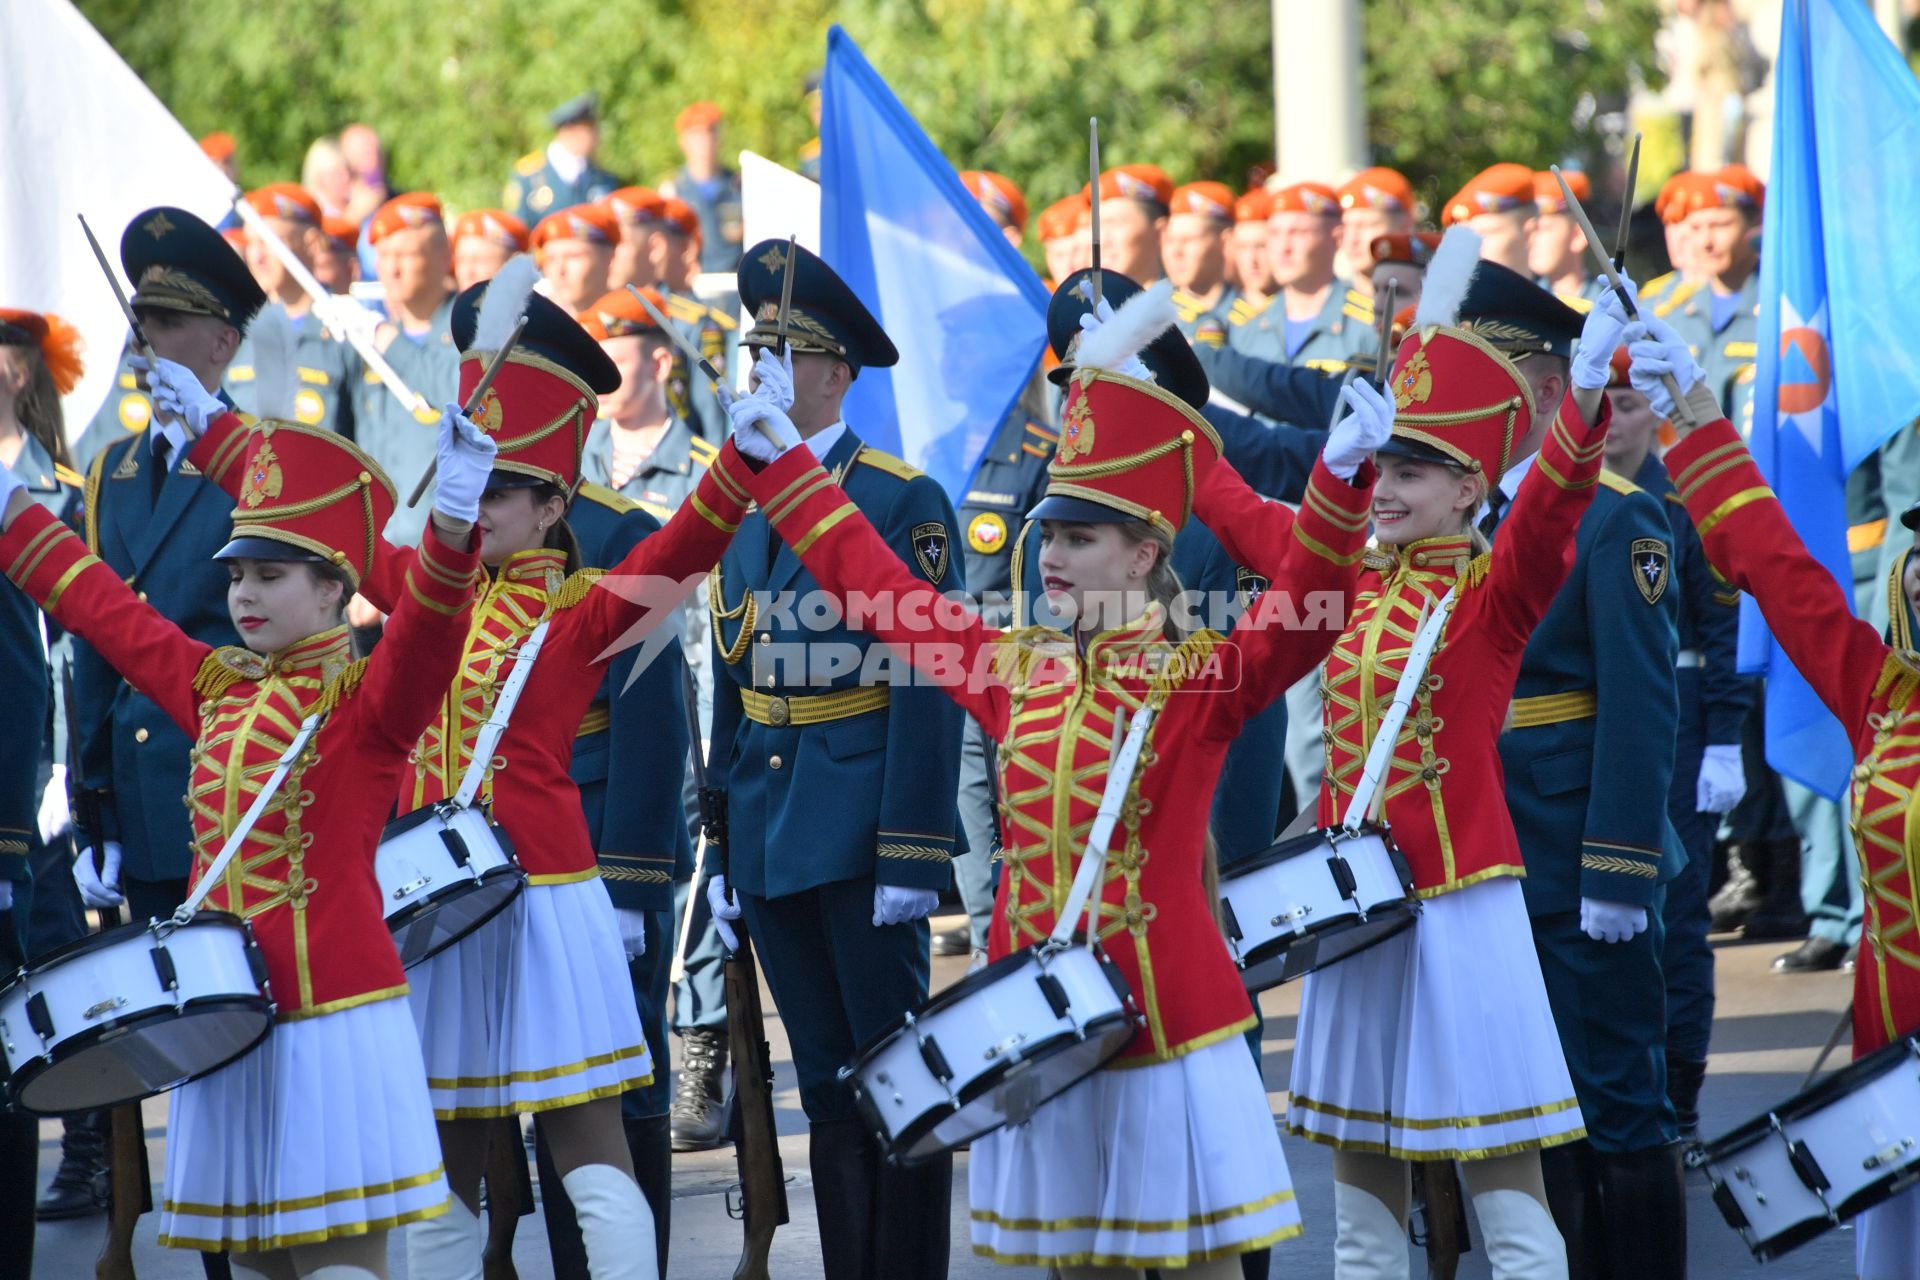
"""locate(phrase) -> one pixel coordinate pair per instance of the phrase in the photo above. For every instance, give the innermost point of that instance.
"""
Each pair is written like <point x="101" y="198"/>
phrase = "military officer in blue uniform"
<point x="323" y="362"/>
<point x="629" y="755"/>
<point x="840" y="786"/>
<point x="1714" y="699"/>
<point x="126" y="411"/>
<point x="1194" y="253"/>
<point x="1721" y="320"/>
<point x="564" y="174"/>
<point x="711" y="331"/>
<point x="710" y="188"/>
<point x="1314" y="319"/>
<point x="1588" y="759"/>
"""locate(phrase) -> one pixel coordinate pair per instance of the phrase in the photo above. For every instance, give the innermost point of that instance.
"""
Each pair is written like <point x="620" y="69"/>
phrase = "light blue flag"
<point x="1839" y="304"/>
<point x="964" y="308"/>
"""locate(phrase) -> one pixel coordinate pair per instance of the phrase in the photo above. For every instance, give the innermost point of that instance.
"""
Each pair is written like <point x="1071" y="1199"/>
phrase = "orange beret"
<point x="496" y="226"/>
<point x="344" y="232"/>
<point x="405" y="212"/>
<point x="635" y="206"/>
<point x="997" y="192"/>
<point x="1667" y="190"/>
<point x="1415" y="250"/>
<point x="619" y="315"/>
<point x="1307" y="197"/>
<point x="1377" y="188"/>
<point x="218" y="147"/>
<point x="1746" y="182"/>
<point x="1062" y="218"/>
<point x="1255" y="206"/>
<point x="288" y="200"/>
<point x="59" y="343"/>
<point x="1546" y="190"/>
<point x="1497" y="188"/>
<point x="679" y="216"/>
<point x="1402" y="321"/>
<point x="1208" y="199"/>
<point x="697" y="115"/>
<point x="1684" y="193"/>
<point x="1620" y="374"/>
<point x="1148" y="183"/>
<point x="592" y="223"/>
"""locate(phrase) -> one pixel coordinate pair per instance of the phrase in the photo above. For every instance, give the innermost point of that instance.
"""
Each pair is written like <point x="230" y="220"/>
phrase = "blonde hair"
<point x="1163" y="584"/>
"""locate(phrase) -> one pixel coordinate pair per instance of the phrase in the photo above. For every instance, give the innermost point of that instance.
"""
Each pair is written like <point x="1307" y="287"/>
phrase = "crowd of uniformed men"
<point x="1275" y="287"/>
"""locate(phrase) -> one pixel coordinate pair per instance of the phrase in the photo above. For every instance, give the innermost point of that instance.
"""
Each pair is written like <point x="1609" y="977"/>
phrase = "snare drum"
<point x="1847" y="1144"/>
<point x="135" y="1011"/>
<point x="991" y="1048"/>
<point x="1312" y="901"/>
<point x="444" y="871"/>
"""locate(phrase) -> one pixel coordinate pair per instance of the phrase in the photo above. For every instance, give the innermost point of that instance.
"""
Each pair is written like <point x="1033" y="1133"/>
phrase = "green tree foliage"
<point x="459" y="88"/>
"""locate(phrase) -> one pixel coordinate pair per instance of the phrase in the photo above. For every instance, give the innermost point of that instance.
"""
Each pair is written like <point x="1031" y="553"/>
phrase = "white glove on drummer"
<point x="750" y="439"/>
<point x="1090" y="324"/>
<point x="1656" y="350"/>
<point x="464" y="461"/>
<point x="177" y="394"/>
<point x="54" y="816"/>
<point x="99" y="887"/>
<point x="1611" y="921"/>
<point x="1367" y="426"/>
<point x="1723" y="779"/>
<point x="897" y="904"/>
<point x="633" y="931"/>
<point x="1605" y="329"/>
<point x="723" y="911"/>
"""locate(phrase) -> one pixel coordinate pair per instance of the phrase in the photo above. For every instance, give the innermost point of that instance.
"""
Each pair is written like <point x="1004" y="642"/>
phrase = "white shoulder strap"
<point x="185" y="911"/>
<point x="495" y="728"/>
<point x="1380" y="754"/>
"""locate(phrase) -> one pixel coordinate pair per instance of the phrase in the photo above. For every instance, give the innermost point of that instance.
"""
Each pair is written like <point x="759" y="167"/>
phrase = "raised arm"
<point x="1286" y="393"/>
<point x="407" y="675"/>
<point x="49" y="562"/>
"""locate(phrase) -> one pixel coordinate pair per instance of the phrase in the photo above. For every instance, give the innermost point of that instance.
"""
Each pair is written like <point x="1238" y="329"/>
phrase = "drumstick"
<point x="472" y="405"/>
<point x="1093" y="202"/>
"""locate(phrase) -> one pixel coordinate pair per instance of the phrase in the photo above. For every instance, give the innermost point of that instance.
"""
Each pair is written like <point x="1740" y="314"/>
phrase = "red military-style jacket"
<point x="1444" y="794"/>
<point x="1873" y="687"/>
<point x="1055" y="708"/>
<point x="305" y="878"/>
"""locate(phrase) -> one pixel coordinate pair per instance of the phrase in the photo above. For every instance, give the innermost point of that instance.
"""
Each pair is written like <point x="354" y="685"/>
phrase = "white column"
<point x="1319" y="113"/>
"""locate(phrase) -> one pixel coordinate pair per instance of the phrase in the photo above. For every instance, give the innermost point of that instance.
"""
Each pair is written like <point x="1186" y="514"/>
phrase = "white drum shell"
<point x="1298" y="894"/>
<point x="416" y="866"/>
<point x="119" y="981"/>
<point x="982" y="1030"/>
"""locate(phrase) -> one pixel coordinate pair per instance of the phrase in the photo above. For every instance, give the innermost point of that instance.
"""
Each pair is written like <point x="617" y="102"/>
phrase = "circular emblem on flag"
<point x="987" y="532"/>
<point x="1806" y="370"/>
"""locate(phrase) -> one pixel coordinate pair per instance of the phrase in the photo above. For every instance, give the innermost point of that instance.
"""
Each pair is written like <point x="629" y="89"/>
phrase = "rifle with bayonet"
<point x="756" y="1142"/>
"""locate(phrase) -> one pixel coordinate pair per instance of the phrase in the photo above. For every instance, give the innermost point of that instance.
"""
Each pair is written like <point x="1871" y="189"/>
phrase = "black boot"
<point x="79" y="1185"/>
<point x="845" y="1165"/>
<point x="913" y="1219"/>
<point x="1645" y="1198"/>
<point x="1684" y="1078"/>
<point x="1739" y="896"/>
<point x="649" y="1142"/>
<point x="1573" y="1194"/>
<point x="1779" y="917"/>
<point x="699" y="1117"/>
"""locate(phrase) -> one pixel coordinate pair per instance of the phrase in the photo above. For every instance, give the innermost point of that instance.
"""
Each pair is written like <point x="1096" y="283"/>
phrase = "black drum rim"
<point x="517" y="882"/>
<point x="39" y="1065"/>
<point x="1383" y="923"/>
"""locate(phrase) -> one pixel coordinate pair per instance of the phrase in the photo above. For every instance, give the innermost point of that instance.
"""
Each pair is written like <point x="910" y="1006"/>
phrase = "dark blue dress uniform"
<point x="158" y="528"/>
<point x="629" y="756"/>
<point x="837" y="781"/>
<point x="536" y="188"/>
<point x="1714" y="699"/>
<point x="126" y="411"/>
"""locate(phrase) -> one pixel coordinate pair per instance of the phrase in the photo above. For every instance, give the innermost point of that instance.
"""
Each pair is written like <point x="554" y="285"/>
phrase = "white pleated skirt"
<point x="533" y="1010"/>
<point x="323" y="1130"/>
<point x="1437" y="1044"/>
<point x="1166" y="1165"/>
<point x="1887" y="1239"/>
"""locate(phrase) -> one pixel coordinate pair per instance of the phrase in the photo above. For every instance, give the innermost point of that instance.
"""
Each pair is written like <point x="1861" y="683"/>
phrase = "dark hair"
<point x="560" y="536"/>
<point x="38" y="406"/>
<point x="325" y="571"/>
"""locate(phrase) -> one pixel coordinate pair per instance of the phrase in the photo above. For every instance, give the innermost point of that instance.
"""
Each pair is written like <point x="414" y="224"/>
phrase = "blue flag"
<point x="964" y="308"/>
<point x="1839" y="304"/>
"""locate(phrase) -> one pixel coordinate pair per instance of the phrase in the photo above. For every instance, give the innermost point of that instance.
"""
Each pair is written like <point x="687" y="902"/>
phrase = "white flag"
<point x="82" y="134"/>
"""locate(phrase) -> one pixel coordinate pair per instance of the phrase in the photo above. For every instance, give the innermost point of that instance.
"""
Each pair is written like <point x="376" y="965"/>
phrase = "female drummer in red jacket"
<point x="1871" y="684"/>
<point x="534" y="1012"/>
<point x="1167" y="1158"/>
<point x="302" y="1153"/>
<point x="1439" y="1043"/>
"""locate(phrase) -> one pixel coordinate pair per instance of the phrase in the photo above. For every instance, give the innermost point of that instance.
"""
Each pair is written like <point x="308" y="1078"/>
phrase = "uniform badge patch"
<point x="987" y="532"/>
<point x="1652" y="567"/>
<point x="930" y="550"/>
<point x="1248" y="585"/>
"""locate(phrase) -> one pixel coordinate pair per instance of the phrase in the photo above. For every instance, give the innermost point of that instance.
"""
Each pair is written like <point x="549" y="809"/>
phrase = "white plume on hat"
<point x="274" y="378"/>
<point x="1141" y="319"/>
<point x="1444" y="286"/>
<point x="504" y="302"/>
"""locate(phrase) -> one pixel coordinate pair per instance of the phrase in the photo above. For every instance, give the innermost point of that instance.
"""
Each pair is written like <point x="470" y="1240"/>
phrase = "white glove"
<point x="749" y="439"/>
<point x="1656" y="350"/>
<point x="465" y="460"/>
<point x="1600" y="337"/>
<point x="6" y="896"/>
<point x="1090" y="324"/>
<point x="99" y="888"/>
<point x="723" y="911"/>
<point x="895" y="904"/>
<point x="1611" y="921"/>
<point x="1723" y="779"/>
<point x="773" y="377"/>
<point x="55" y="817"/>
<point x="633" y="931"/>
<point x="177" y="393"/>
<point x="1364" y="429"/>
